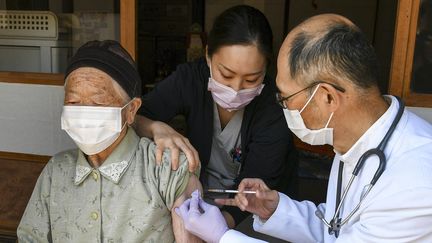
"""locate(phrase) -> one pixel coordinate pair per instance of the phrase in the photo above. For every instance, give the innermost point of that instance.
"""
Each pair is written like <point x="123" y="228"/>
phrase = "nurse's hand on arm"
<point x="166" y="137"/>
<point x="262" y="204"/>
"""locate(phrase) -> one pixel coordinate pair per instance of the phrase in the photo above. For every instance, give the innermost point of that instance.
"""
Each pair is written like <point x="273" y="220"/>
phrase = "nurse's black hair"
<point x="241" y="25"/>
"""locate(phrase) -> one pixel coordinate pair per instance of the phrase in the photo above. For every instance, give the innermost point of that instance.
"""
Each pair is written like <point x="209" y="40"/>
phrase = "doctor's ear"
<point x="331" y="97"/>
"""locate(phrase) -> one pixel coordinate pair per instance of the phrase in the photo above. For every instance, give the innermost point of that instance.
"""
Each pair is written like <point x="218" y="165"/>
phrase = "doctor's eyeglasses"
<point x="281" y="100"/>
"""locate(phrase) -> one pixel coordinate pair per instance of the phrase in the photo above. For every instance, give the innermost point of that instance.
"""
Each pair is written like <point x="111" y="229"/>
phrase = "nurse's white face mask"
<point x="228" y="98"/>
<point x="297" y="126"/>
<point x="92" y="128"/>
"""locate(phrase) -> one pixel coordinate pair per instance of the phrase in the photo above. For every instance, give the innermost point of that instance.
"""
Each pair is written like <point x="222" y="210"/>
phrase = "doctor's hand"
<point x="202" y="219"/>
<point x="165" y="137"/>
<point x="263" y="203"/>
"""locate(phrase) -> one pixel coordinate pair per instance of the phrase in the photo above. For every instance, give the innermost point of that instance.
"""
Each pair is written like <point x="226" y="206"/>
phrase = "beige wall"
<point x="30" y="119"/>
<point x="425" y="113"/>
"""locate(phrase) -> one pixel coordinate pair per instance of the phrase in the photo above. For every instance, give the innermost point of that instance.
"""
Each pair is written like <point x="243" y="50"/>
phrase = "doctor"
<point x="327" y="78"/>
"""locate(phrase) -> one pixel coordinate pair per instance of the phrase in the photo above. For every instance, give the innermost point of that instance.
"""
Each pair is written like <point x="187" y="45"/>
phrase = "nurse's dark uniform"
<point x="265" y="148"/>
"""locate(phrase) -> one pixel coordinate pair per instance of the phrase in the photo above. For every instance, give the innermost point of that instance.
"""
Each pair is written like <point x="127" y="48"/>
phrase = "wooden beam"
<point x="128" y="26"/>
<point x="400" y="47"/>
<point x="403" y="55"/>
<point x="32" y="78"/>
<point x="24" y="157"/>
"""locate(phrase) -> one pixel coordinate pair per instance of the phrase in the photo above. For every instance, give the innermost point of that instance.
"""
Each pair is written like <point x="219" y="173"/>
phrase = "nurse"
<point x="327" y="78"/>
<point x="234" y="127"/>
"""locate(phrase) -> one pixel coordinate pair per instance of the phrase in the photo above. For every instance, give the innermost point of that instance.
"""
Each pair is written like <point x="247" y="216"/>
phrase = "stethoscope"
<point x="336" y="223"/>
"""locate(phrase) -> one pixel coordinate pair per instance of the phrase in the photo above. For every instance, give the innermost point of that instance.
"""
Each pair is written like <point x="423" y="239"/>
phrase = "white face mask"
<point x="313" y="137"/>
<point x="92" y="128"/>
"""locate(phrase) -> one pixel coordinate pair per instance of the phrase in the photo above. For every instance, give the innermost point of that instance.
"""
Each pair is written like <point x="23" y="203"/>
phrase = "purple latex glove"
<point x="210" y="225"/>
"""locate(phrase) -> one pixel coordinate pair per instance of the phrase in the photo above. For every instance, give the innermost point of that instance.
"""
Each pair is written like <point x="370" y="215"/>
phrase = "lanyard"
<point x="235" y="152"/>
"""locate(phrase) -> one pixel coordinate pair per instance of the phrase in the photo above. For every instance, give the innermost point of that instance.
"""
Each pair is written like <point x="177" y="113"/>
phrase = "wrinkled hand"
<point x="208" y="224"/>
<point x="263" y="203"/>
<point x="166" y="137"/>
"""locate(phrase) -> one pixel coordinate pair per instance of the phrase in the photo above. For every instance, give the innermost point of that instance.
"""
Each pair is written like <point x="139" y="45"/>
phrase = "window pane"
<point x="41" y="35"/>
<point x="163" y="31"/>
<point x="422" y="64"/>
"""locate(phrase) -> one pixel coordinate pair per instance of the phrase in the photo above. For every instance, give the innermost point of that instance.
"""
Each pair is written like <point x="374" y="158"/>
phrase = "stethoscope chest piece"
<point x="335" y="226"/>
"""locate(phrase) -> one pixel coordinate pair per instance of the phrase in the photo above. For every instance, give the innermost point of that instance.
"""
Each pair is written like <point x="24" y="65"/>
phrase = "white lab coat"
<point x="398" y="208"/>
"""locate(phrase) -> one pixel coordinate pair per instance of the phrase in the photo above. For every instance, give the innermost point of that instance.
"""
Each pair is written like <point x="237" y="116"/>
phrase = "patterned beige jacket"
<point x="127" y="199"/>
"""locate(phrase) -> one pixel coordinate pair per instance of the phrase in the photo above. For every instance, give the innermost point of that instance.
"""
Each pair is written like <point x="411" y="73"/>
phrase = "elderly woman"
<point x="110" y="189"/>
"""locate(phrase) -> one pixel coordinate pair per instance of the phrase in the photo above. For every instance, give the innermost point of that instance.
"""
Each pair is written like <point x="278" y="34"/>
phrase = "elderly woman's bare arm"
<point x="180" y="233"/>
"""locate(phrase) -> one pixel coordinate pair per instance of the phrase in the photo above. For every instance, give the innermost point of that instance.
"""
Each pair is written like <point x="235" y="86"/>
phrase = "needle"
<point x="230" y="191"/>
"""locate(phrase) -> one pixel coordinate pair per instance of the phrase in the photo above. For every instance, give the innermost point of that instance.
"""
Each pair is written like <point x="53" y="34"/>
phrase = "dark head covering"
<point x="110" y="57"/>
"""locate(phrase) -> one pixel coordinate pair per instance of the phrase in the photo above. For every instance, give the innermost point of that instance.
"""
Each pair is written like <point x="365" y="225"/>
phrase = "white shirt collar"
<point x="373" y="136"/>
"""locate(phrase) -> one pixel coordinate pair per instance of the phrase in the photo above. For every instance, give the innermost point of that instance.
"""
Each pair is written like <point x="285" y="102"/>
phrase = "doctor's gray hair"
<point x="339" y="53"/>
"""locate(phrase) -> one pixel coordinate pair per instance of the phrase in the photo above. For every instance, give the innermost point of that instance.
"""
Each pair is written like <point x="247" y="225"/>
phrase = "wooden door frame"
<point x="403" y="55"/>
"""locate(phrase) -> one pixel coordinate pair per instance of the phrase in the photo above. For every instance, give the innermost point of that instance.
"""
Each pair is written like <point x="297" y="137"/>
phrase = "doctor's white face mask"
<point x="92" y="128"/>
<point x="230" y="99"/>
<point x="297" y="126"/>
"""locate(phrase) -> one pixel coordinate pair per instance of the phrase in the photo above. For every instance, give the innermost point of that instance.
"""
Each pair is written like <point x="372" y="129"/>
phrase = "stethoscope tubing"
<point x="379" y="152"/>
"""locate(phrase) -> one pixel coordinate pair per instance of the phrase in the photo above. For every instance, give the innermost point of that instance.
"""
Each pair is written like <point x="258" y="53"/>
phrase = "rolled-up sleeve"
<point x="170" y="184"/>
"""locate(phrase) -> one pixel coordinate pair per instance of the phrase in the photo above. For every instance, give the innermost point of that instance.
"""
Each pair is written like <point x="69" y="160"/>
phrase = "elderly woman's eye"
<point x="71" y="101"/>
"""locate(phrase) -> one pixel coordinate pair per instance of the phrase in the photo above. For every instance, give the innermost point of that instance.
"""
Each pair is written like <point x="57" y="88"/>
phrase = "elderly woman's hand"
<point x="166" y="137"/>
